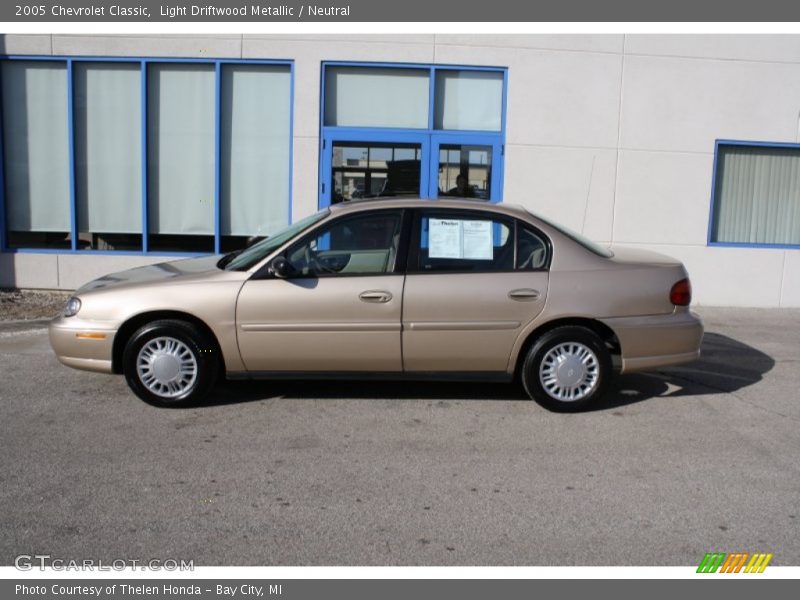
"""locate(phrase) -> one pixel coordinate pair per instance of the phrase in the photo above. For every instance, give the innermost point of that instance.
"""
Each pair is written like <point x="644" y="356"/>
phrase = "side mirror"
<point x="280" y="267"/>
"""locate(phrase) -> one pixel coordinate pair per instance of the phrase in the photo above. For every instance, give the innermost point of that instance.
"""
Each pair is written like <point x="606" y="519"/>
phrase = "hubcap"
<point x="166" y="367"/>
<point x="569" y="371"/>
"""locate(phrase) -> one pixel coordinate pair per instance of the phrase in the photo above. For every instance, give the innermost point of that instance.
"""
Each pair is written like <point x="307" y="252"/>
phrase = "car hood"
<point x="637" y="256"/>
<point x="177" y="271"/>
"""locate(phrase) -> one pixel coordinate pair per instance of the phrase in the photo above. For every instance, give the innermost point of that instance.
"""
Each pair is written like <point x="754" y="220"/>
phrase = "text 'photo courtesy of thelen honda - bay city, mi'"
<point x="401" y="289"/>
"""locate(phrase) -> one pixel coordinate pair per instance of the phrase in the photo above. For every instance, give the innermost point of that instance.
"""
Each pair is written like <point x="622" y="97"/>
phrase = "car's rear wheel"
<point x="567" y="369"/>
<point x="170" y="363"/>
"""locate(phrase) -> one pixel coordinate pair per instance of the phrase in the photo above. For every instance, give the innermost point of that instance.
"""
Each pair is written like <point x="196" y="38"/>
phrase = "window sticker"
<point x="445" y="238"/>
<point x="477" y="240"/>
<point x="454" y="238"/>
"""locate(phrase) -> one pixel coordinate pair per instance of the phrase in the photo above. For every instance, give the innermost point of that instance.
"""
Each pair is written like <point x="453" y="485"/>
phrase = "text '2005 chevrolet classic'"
<point x="391" y="288"/>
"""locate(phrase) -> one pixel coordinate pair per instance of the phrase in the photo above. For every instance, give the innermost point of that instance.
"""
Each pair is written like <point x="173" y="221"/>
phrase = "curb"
<point x="23" y="324"/>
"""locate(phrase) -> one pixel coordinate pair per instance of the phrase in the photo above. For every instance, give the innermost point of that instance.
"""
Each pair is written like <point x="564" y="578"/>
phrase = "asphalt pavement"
<point x="674" y="464"/>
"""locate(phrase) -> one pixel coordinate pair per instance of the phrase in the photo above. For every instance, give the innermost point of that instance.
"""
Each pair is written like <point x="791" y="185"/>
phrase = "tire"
<point x="567" y="369"/>
<point x="170" y="363"/>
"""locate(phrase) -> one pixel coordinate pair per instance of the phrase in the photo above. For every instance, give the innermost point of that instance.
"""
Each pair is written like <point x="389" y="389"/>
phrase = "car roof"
<point x="463" y="204"/>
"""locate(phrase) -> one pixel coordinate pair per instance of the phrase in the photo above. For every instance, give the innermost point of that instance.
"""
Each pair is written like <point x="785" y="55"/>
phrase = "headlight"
<point x="72" y="307"/>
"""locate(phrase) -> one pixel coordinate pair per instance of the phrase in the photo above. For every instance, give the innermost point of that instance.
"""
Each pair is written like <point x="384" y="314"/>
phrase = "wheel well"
<point x="601" y="329"/>
<point x="130" y="326"/>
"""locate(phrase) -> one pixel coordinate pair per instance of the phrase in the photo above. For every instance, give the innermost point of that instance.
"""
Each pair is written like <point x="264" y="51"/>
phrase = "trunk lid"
<point x="636" y="256"/>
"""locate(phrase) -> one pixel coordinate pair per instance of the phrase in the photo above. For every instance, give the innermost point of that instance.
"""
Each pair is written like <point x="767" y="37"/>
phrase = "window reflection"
<point x="465" y="171"/>
<point x="375" y="170"/>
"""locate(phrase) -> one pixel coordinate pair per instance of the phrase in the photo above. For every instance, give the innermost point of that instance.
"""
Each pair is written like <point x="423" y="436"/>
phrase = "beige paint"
<point x="320" y="324"/>
<point x="466" y="322"/>
<point x="428" y="322"/>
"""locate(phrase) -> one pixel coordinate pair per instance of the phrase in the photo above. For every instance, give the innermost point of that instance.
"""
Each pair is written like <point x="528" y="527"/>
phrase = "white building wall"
<point x="609" y="134"/>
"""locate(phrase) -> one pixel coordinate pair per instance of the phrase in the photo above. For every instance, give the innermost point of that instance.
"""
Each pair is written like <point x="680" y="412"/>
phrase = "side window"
<point x="360" y="245"/>
<point x="531" y="249"/>
<point x="463" y="241"/>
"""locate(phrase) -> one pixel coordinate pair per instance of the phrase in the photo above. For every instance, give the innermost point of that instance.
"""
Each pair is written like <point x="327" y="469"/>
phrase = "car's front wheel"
<point x="567" y="369"/>
<point x="170" y="363"/>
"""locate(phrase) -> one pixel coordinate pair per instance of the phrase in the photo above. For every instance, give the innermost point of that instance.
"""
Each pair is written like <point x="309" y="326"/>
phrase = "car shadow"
<point x="726" y="365"/>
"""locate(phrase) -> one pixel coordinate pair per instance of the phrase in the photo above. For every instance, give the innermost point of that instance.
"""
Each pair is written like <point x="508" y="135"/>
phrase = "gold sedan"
<point x="401" y="289"/>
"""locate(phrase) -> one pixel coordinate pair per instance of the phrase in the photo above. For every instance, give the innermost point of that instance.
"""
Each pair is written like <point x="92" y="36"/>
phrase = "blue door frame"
<point x="470" y="139"/>
<point x="353" y="134"/>
<point x="429" y="139"/>
<point x="429" y="160"/>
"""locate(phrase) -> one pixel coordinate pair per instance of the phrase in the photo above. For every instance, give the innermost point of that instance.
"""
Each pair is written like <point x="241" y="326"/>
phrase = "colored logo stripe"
<point x="758" y="563"/>
<point x="733" y="563"/>
<point x="711" y="562"/>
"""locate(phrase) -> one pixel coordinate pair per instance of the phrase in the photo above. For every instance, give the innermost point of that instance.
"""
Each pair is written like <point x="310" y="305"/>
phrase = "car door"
<point x="474" y="280"/>
<point x="338" y="310"/>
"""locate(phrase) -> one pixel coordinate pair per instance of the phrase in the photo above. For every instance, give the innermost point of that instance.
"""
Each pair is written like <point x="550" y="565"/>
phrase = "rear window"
<point x="578" y="238"/>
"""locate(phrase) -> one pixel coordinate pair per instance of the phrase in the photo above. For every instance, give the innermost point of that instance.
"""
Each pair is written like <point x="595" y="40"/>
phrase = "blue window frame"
<point x="69" y="62"/>
<point x="479" y="150"/>
<point x="755" y="195"/>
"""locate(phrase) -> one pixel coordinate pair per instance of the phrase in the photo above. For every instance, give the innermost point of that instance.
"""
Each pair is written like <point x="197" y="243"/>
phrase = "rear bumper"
<point x="655" y="341"/>
<point x="82" y="344"/>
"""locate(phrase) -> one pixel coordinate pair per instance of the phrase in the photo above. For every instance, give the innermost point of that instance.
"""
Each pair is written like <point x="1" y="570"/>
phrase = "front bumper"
<point x="654" y="341"/>
<point x="82" y="344"/>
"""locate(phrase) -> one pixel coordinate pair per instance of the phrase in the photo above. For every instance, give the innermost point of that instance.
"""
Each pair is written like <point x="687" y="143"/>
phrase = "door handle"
<point x="379" y="296"/>
<point x="523" y="294"/>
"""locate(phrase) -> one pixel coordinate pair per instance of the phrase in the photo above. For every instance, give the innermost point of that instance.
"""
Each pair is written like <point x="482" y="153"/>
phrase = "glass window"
<point x="469" y="100"/>
<point x="757" y="195"/>
<point x="36" y="154"/>
<point x="360" y="245"/>
<point x="578" y="238"/>
<point x="434" y="104"/>
<point x="108" y="166"/>
<point x="374" y="170"/>
<point x="181" y="156"/>
<point x="241" y="260"/>
<point x="91" y="184"/>
<point x="465" y="171"/>
<point x="376" y="97"/>
<point x="531" y="250"/>
<point x="255" y="114"/>
<point x="459" y="241"/>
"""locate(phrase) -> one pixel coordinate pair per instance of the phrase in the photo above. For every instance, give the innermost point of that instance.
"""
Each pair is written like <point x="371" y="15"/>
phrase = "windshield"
<point x="577" y="237"/>
<point x="255" y="253"/>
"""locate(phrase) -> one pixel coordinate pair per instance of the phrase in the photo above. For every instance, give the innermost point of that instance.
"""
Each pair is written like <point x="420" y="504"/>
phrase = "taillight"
<point x="681" y="293"/>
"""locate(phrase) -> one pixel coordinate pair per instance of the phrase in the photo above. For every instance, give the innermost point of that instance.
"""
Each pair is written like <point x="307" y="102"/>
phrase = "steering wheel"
<point x="314" y="264"/>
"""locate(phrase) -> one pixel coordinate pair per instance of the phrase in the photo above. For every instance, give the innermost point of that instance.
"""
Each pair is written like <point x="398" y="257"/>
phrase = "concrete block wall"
<point x="613" y="135"/>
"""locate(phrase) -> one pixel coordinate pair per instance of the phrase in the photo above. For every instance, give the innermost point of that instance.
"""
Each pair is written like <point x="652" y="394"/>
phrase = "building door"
<point x="374" y="170"/>
<point x="397" y="165"/>
<point x="356" y="165"/>
<point x="464" y="166"/>
<point x="391" y="129"/>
